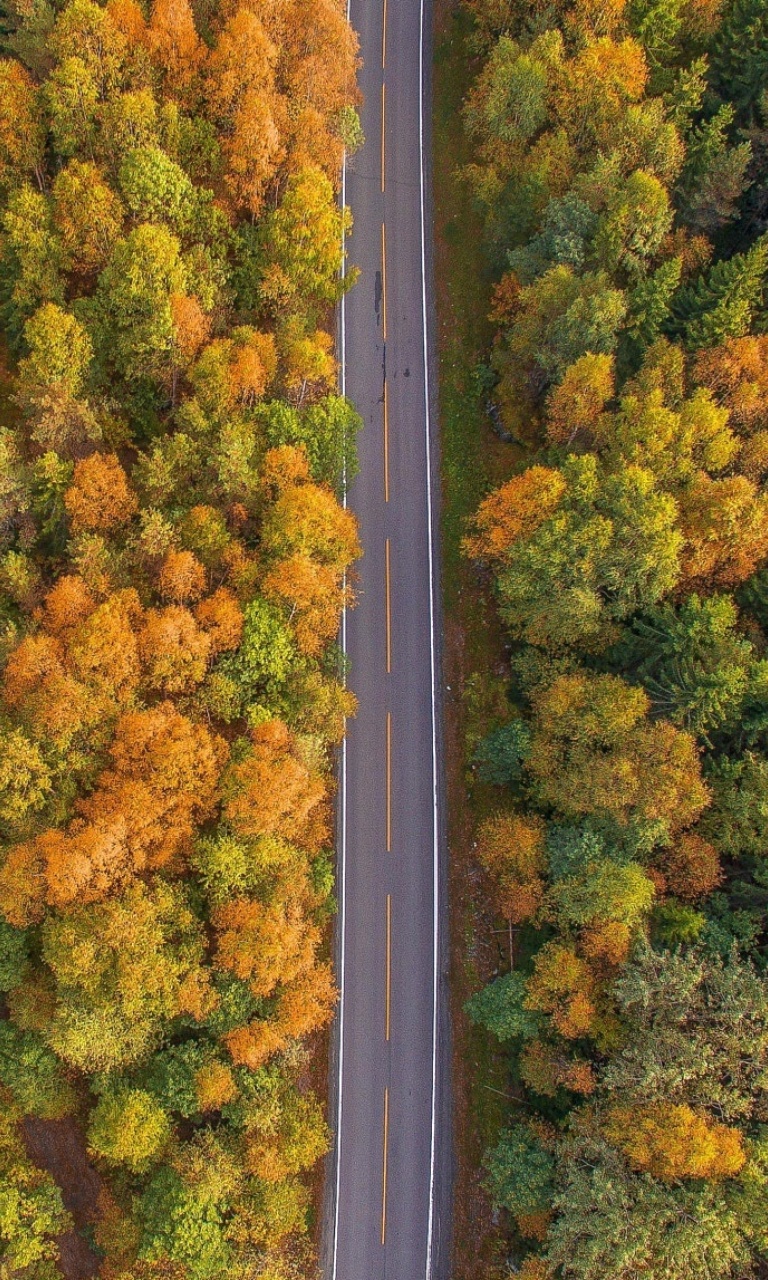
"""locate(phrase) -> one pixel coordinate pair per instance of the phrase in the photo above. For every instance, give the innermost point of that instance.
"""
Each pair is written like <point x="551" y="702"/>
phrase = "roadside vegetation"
<point x="616" y="156"/>
<point x="172" y="565"/>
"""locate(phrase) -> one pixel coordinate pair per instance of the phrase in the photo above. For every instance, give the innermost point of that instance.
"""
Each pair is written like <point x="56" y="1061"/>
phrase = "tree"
<point x="100" y="497"/>
<point x="87" y="215"/>
<point x="30" y="255"/>
<point x="695" y="665"/>
<point x="520" y="1172"/>
<point x="593" y="750"/>
<point x="672" y="1142"/>
<point x="575" y="404"/>
<point x="514" y="511"/>
<point x="128" y="1127"/>
<point x="740" y="62"/>
<point x="723" y="303"/>
<point x="174" y="45"/>
<point x="272" y="791"/>
<point x="123" y="968"/>
<point x="21" y="137"/>
<point x="302" y="240"/>
<point x="33" y="1075"/>
<point x="134" y="301"/>
<point x="606" y="545"/>
<point x="501" y="1008"/>
<point x="725" y="523"/>
<point x="511" y="848"/>
<point x="736" y="373"/>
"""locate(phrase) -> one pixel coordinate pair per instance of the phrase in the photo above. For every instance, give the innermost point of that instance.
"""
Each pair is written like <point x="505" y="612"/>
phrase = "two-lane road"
<point x="388" y="1177"/>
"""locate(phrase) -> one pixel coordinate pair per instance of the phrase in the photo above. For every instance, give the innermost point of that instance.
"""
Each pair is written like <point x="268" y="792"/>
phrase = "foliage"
<point x="616" y="159"/>
<point x="173" y="565"/>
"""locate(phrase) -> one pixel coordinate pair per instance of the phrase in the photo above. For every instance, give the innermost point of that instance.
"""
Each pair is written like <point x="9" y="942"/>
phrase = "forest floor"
<point x="473" y="460"/>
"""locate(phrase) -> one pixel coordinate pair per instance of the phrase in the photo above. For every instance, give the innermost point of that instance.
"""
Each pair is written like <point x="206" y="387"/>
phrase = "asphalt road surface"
<point x="388" y="1178"/>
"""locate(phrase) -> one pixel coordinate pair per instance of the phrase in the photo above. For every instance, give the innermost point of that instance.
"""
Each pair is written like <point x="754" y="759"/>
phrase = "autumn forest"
<point x="173" y="562"/>
<point x="619" y="166"/>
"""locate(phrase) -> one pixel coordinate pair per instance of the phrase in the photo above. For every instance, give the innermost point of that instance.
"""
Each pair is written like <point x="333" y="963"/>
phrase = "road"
<point x="388" y="1179"/>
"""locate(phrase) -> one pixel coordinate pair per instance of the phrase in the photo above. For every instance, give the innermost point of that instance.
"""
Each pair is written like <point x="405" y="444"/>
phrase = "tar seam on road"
<point x="384" y="280"/>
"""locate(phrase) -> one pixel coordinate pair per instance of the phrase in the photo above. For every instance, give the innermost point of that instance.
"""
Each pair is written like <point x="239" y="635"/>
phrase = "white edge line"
<point x="342" y="861"/>
<point x="433" y="672"/>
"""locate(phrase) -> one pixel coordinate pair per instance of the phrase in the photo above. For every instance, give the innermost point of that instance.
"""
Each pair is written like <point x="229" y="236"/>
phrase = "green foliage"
<point x="499" y="757"/>
<point x="500" y="1008"/>
<point x="520" y="1172"/>
<point x="128" y="1127"/>
<point x="724" y="302"/>
<point x="183" y="1225"/>
<point x="33" y="1074"/>
<point x="266" y="656"/>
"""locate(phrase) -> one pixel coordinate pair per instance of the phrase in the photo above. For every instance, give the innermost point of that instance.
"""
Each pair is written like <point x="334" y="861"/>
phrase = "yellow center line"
<point x="386" y="441"/>
<point x="389" y="606"/>
<point x="389" y="782"/>
<point x="384" y="1171"/>
<point x="389" y="964"/>
<point x="384" y="37"/>
<point x="383" y="132"/>
<point x="384" y="279"/>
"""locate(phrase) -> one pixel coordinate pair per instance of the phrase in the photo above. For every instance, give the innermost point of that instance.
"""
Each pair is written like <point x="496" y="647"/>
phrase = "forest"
<point x="174" y="557"/>
<point x="619" y="152"/>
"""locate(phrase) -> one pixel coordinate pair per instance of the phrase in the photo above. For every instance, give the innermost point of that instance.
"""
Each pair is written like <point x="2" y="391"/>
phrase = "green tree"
<point x="500" y="1008"/>
<point x="136" y="329"/>
<point x="696" y="666"/>
<point x="301" y="243"/>
<point x="128" y="1127"/>
<point x="520" y="1172"/>
<point x="723" y="303"/>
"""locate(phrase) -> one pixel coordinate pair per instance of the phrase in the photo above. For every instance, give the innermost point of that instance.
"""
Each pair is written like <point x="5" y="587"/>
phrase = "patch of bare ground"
<point x="58" y="1146"/>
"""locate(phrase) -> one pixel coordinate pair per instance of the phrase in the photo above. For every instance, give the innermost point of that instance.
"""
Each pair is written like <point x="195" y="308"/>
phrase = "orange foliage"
<point x="215" y="1086"/>
<point x="608" y="941"/>
<point x="673" y="1142"/>
<point x="513" y="511"/>
<point x="163" y="780"/>
<point x="174" y="651"/>
<point x="511" y="848"/>
<point x="737" y="373"/>
<point x="561" y="986"/>
<point x="174" y="45"/>
<point x="191" y="326"/>
<point x="691" y="868"/>
<point x="182" y="577"/>
<point x="596" y="87"/>
<point x="575" y="405"/>
<point x="129" y="21"/>
<point x="103" y="651"/>
<point x="221" y="618"/>
<point x="66" y="605"/>
<point x="725" y="523"/>
<point x="99" y="497"/>
<point x="315" y="594"/>
<point x="264" y="943"/>
<point x="307" y="1003"/>
<point x="272" y="792"/>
